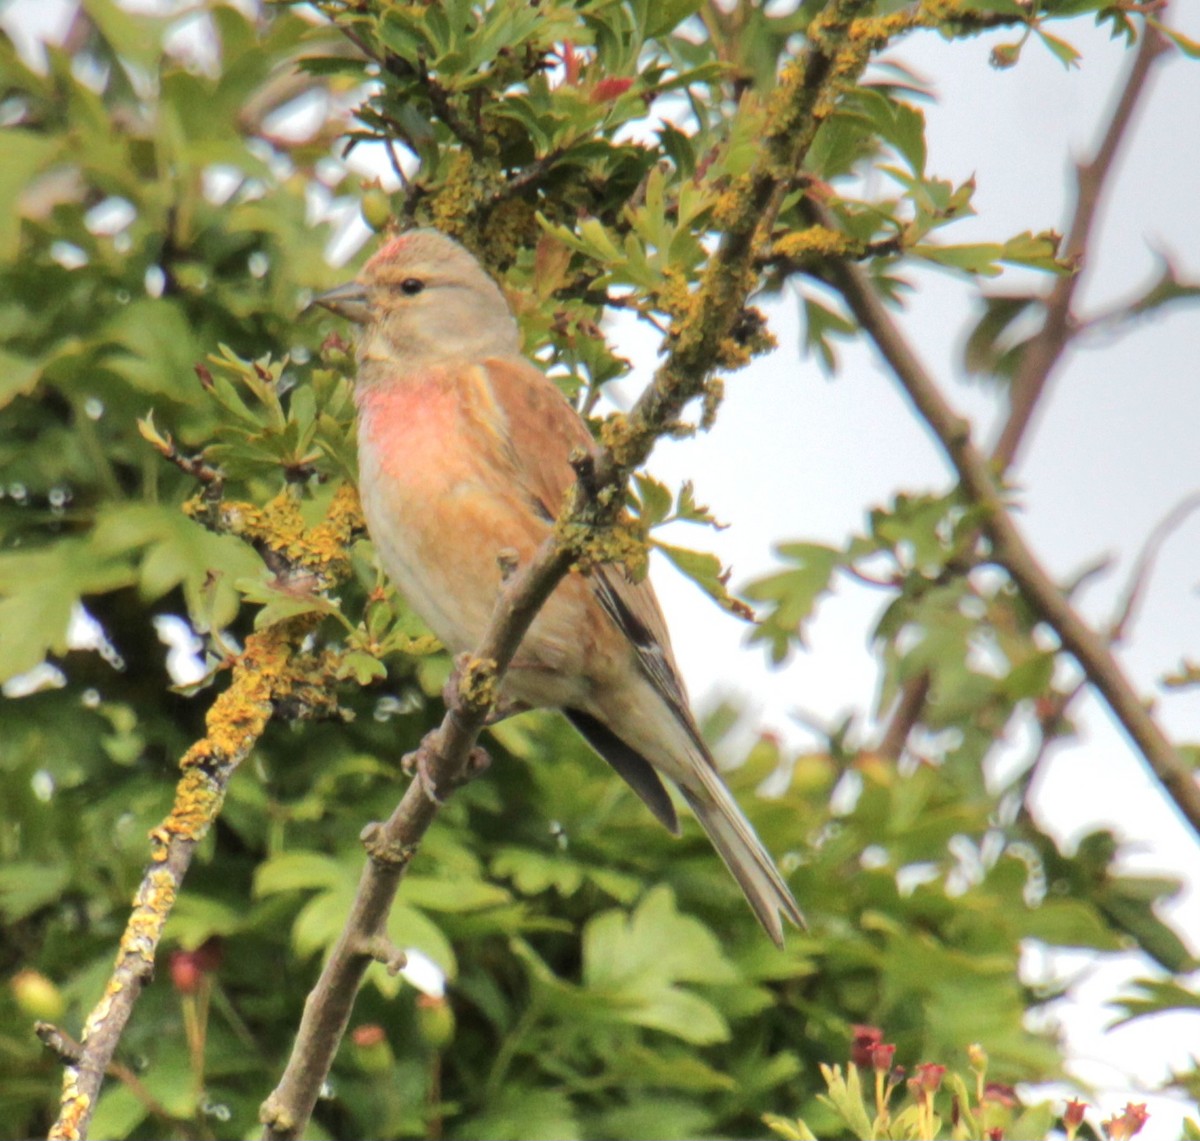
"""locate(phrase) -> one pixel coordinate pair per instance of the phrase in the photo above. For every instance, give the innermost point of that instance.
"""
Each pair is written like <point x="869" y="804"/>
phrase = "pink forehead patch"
<point x="390" y="249"/>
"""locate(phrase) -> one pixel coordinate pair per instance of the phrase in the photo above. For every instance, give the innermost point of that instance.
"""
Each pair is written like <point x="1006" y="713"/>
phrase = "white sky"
<point x="794" y="455"/>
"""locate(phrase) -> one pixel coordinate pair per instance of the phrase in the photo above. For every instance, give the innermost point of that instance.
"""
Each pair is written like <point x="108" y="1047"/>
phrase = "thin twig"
<point x="69" y="1052"/>
<point x="1051" y="712"/>
<point x="1044" y="351"/>
<point x="441" y="762"/>
<point x="1145" y="563"/>
<point x="1008" y="546"/>
<point x="906" y="715"/>
<point x="528" y="176"/>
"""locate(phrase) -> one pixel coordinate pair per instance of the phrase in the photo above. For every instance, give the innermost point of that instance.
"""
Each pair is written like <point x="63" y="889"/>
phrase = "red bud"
<point x="882" y="1057"/>
<point x="369" y="1034"/>
<point x="186" y="974"/>
<point x="611" y="89"/>
<point x="865" y="1039"/>
<point x="929" y="1076"/>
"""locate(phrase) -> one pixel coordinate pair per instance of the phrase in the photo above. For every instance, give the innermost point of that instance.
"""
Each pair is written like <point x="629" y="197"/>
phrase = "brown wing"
<point x="543" y="429"/>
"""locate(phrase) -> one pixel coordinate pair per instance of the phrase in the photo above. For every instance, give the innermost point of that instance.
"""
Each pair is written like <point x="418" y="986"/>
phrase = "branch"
<point x="1052" y="710"/>
<point x="235" y="722"/>
<point x="1059" y="326"/>
<point x="702" y="339"/>
<point x="1142" y="569"/>
<point x="442" y="762"/>
<point x="269" y="670"/>
<point x="1044" y="351"/>
<point x="1008" y="546"/>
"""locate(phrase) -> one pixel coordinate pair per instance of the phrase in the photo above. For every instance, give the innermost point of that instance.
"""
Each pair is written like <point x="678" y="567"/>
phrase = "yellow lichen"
<point x="815" y="241"/>
<point x="73" y="1108"/>
<point x="623" y="543"/>
<point x="478" y="686"/>
<point x="872" y="32"/>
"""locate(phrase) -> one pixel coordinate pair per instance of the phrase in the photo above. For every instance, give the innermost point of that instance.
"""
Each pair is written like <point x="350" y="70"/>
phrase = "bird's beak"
<point x="349" y="301"/>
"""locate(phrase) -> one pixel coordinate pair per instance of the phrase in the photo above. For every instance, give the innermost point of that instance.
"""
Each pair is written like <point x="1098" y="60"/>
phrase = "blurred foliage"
<point x="170" y="190"/>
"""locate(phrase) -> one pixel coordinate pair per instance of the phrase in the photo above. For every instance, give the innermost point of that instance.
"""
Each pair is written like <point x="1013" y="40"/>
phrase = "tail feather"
<point x="738" y="845"/>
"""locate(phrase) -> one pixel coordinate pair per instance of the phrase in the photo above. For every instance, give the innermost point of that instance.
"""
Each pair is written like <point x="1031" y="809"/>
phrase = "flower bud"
<point x="882" y="1057"/>
<point x="376" y="209"/>
<point x="372" y="1050"/>
<point x="435" y="1020"/>
<point x="929" y="1076"/>
<point x="863" y="1043"/>
<point x="1073" y="1117"/>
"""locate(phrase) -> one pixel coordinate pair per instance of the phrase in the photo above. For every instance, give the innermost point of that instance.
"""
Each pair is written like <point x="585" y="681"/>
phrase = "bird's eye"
<point x="412" y="286"/>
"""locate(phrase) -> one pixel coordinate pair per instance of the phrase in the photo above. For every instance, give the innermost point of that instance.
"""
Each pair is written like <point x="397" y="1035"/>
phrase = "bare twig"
<point x="1008" y="546"/>
<point x="1044" y="351"/>
<point x="441" y="762"/>
<point x="700" y="344"/>
<point x="1145" y="563"/>
<point x="1052" y="710"/>
<point x="528" y="176"/>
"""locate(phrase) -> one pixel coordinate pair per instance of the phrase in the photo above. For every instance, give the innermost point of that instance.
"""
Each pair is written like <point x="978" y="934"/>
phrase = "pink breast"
<point x="414" y="429"/>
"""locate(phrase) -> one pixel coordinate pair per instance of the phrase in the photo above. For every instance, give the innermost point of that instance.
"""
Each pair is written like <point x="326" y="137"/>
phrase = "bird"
<point x="465" y="450"/>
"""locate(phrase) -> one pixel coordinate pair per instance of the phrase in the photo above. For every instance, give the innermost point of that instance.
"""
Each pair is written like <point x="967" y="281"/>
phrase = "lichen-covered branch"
<point x="270" y="669"/>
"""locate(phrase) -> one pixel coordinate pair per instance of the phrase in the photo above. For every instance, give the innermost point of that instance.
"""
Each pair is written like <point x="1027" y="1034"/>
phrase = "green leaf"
<point x="118" y="1113"/>
<point x="792" y="595"/>
<point x="407" y="927"/>
<point x="637" y="961"/>
<point x="452" y="895"/>
<point x="1062" y="50"/>
<point x="534" y="872"/>
<point x="26" y="154"/>
<point x="300" y="871"/>
<point x="27" y="887"/>
<point x="664" y="16"/>
<point x="655" y="500"/>
<point x="991" y="348"/>
<point x="18" y="375"/>
<point x="39" y="590"/>
<point x="705" y="570"/>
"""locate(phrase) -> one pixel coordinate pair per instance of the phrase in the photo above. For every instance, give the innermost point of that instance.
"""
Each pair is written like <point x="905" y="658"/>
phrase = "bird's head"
<point x="422" y="300"/>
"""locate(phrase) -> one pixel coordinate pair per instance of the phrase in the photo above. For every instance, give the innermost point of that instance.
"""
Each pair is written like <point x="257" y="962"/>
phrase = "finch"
<point x="464" y="450"/>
